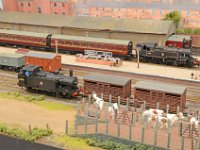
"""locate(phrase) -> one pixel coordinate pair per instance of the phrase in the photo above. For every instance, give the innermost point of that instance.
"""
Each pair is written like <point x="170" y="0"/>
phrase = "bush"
<point x="197" y="31"/>
<point x="35" y="134"/>
<point x="111" y="145"/>
<point x="188" y="31"/>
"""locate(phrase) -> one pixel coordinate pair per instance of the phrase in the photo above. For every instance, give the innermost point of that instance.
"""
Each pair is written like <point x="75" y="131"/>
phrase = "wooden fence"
<point x="130" y="125"/>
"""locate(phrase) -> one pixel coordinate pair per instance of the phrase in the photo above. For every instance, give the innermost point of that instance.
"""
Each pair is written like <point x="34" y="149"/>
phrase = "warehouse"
<point x="135" y="30"/>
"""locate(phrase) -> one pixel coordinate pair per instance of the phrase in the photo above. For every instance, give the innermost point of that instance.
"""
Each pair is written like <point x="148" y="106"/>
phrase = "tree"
<point x="174" y="16"/>
<point x="197" y="31"/>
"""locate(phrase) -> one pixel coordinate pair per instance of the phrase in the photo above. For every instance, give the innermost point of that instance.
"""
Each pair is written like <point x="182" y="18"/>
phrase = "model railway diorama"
<point x="127" y="105"/>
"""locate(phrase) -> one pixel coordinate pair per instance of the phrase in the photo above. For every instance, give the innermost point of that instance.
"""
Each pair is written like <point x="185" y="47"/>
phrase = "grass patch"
<point x="74" y="143"/>
<point x="32" y="135"/>
<point x="38" y="100"/>
<point x="54" y="106"/>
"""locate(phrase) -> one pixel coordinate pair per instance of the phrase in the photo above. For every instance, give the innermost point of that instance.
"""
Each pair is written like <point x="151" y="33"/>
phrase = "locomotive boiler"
<point x="165" y="55"/>
<point x="34" y="78"/>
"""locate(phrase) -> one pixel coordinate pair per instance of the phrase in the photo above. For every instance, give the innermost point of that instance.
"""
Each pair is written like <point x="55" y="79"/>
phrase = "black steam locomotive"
<point x="150" y="52"/>
<point x="34" y="78"/>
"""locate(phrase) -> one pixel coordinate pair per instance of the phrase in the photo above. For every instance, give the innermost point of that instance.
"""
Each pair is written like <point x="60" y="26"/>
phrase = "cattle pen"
<point x="129" y="127"/>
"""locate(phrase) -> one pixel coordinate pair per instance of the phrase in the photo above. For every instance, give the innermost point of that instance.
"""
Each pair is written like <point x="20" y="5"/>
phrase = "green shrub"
<point x="35" y="133"/>
<point x="197" y="31"/>
<point x="111" y="145"/>
<point x="188" y="31"/>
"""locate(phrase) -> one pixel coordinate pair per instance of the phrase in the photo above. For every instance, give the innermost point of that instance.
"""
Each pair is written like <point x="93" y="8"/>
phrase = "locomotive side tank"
<point x="34" y="78"/>
<point x="166" y="55"/>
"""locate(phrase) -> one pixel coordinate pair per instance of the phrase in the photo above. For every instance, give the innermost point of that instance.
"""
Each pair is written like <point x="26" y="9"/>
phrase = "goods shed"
<point x="111" y="28"/>
<point x="161" y="93"/>
<point x="108" y="84"/>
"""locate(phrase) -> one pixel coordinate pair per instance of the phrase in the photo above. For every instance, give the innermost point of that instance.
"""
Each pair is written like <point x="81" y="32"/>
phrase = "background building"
<point x="133" y="9"/>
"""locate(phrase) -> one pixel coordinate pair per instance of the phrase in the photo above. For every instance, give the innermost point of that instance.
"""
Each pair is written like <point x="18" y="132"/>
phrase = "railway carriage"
<point x="77" y="44"/>
<point x="25" y="39"/>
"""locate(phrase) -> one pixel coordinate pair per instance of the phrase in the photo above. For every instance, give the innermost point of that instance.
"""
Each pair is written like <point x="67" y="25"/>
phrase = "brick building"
<point x="136" y="9"/>
<point x="62" y="7"/>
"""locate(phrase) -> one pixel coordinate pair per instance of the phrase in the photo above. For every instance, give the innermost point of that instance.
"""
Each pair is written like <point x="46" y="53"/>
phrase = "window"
<point x="55" y="4"/>
<point x="39" y="10"/>
<point x="22" y="4"/>
<point x="55" y="12"/>
<point x="63" y="13"/>
<point x="63" y="4"/>
<point x="29" y="4"/>
<point x="161" y="12"/>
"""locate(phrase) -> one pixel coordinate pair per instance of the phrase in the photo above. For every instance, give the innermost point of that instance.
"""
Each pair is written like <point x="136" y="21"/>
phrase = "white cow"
<point x="171" y="118"/>
<point x="98" y="101"/>
<point x="194" y="122"/>
<point x="112" y="109"/>
<point x="152" y="112"/>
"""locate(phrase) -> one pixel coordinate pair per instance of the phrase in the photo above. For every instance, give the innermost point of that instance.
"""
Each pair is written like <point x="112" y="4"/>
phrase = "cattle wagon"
<point x="154" y="93"/>
<point x="108" y="85"/>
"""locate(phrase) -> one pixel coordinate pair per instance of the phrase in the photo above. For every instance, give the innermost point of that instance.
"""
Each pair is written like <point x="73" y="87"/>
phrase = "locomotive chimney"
<point x="71" y="73"/>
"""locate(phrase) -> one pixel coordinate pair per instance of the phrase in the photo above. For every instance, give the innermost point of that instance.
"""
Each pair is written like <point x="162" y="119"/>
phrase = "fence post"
<point x="107" y="125"/>
<point x="127" y="104"/>
<point x="196" y="146"/>
<point x="66" y="128"/>
<point x="102" y="95"/>
<point x="29" y="129"/>
<point x="180" y="129"/>
<point x="145" y="103"/>
<point x="155" y="133"/>
<point x="86" y="110"/>
<point x="157" y="105"/>
<point x="177" y="109"/>
<point x="110" y="99"/>
<point x="85" y="122"/>
<point x="142" y="139"/>
<point x="169" y="134"/>
<point x="130" y="132"/>
<point x="78" y="108"/>
<point x="182" y="143"/>
<point x="167" y="110"/>
<point x="118" y="99"/>
<point x="76" y="125"/>
<point x="96" y="126"/>
<point x="118" y="129"/>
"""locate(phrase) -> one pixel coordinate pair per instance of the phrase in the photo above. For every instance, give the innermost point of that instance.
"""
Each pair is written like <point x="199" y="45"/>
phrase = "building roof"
<point x="41" y="55"/>
<point x="168" y="88"/>
<point x="93" y="23"/>
<point x="178" y="38"/>
<point x="116" y="80"/>
<point x="11" y="55"/>
<point x="23" y="33"/>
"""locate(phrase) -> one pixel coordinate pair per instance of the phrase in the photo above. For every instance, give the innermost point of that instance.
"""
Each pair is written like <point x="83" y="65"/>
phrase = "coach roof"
<point x="90" y="39"/>
<point x="168" y="88"/>
<point x="116" y="80"/>
<point x="82" y="22"/>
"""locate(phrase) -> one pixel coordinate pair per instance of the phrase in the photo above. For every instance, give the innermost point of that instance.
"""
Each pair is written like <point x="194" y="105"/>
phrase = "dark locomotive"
<point x="165" y="55"/>
<point x="34" y="78"/>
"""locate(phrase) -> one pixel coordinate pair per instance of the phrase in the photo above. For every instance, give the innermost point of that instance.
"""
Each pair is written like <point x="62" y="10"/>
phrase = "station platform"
<point x="130" y="66"/>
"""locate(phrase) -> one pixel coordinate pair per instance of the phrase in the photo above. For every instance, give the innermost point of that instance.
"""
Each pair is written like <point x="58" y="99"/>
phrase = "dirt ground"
<point x="22" y="114"/>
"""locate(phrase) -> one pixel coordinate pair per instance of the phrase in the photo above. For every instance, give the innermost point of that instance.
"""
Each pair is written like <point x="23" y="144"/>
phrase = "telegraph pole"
<point x="138" y="57"/>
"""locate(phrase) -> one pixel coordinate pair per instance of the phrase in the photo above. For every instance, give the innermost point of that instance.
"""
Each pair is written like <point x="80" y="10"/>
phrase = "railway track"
<point x="8" y="81"/>
<point x="193" y="94"/>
